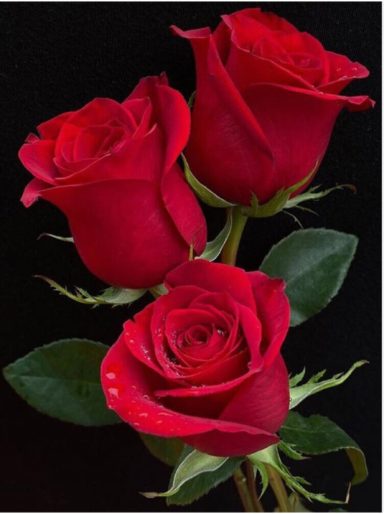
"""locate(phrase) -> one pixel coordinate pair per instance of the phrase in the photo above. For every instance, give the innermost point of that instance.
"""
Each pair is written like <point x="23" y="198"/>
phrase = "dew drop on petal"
<point x="114" y="392"/>
<point x="111" y="375"/>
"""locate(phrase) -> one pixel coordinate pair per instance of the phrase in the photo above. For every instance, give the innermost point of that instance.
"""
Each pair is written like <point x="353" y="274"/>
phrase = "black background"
<point x="56" y="57"/>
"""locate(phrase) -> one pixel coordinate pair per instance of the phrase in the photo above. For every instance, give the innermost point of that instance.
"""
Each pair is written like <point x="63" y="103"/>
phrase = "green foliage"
<point x="318" y="435"/>
<point x="314" y="264"/>
<point x="213" y="248"/>
<point x="195" y="474"/>
<point x="168" y="450"/>
<point x="113" y="296"/>
<point x="270" y="457"/>
<point x="62" y="380"/>
<point x="298" y="393"/>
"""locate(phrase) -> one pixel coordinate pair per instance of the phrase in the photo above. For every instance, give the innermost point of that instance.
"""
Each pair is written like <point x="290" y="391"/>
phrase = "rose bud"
<point x="267" y="98"/>
<point x="202" y="363"/>
<point x="111" y="168"/>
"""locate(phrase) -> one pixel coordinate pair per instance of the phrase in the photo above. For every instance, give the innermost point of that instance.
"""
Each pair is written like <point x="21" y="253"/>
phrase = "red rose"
<point x="267" y="98"/>
<point x="203" y="362"/>
<point x="111" y="168"/>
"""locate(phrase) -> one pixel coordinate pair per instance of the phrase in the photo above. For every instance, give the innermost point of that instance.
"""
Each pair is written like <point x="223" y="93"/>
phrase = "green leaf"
<point x="270" y="457"/>
<point x="313" y="386"/>
<point x="206" y="195"/>
<point x="113" y="296"/>
<point x="62" y="380"/>
<point x="58" y="238"/>
<point x="213" y="248"/>
<point x="167" y="450"/>
<point x="318" y="435"/>
<point x="314" y="264"/>
<point x="195" y="474"/>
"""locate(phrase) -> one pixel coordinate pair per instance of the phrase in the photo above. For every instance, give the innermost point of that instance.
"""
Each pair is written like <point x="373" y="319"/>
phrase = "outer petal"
<point x="121" y="230"/>
<point x="38" y="158"/>
<point x="298" y="124"/>
<point x="128" y="388"/>
<point x="263" y="400"/>
<point x="342" y="72"/>
<point x="273" y="311"/>
<point x="171" y="112"/>
<point x="51" y="128"/>
<point x="228" y="150"/>
<point x="218" y="277"/>
<point x="32" y="192"/>
<point x="184" y="209"/>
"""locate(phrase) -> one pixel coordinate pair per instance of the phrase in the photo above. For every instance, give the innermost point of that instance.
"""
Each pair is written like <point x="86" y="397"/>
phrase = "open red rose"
<point x="203" y="362"/>
<point x="267" y="98"/>
<point x="111" y="168"/>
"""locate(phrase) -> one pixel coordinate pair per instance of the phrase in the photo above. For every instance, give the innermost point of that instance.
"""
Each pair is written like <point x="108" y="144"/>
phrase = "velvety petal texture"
<point x="203" y="361"/>
<point x="267" y="97"/>
<point x="112" y="169"/>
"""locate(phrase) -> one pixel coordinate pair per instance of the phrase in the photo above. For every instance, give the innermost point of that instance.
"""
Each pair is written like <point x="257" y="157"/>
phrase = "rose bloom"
<point x="111" y="168"/>
<point x="267" y="98"/>
<point x="202" y="363"/>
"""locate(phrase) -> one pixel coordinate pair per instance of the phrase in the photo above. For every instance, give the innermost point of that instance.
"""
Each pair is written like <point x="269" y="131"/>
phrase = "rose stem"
<point x="278" y="488"/>
<point x="242" y="489"/>
<point x="257" y="505"/>
<point x="229" y="253"/>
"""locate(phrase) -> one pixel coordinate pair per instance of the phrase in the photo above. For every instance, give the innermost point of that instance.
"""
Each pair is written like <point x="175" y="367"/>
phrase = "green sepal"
<point x="62" y="380"/>
<point x="194" y="475"/>
<point x="270" y="457"/>
<point x="113" y="296"/>
<point x="318" y="435"/>
<point x="299" y="393"/>
<point x="275" y="204"/>
<point x="214" y="248"/>
<point x="314" y="194"/>
<point x="203" y="192"/>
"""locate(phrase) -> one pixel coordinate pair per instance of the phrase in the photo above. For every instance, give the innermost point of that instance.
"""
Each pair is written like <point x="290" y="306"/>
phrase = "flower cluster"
<point x="202" y="362"/>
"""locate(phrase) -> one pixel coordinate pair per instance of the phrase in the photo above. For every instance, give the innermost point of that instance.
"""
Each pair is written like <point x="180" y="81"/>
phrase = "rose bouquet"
<point x="199" y="371"/>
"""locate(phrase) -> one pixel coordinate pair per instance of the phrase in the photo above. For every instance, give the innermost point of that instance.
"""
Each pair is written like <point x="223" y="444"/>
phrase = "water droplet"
<point x="143" y="415"/>
<point x="159" y="422"/>
<point x="111" y="375"/>
<point x="145" y="397"/>
<point x="136" y="424"/>
<point x="164" y="414"/>
<point x="114" y="392"/>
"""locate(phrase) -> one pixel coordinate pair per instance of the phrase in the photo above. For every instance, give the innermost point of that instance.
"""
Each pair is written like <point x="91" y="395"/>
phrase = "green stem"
<point x="257" y="505"/>
<point x="278" y="489"/>
<point x="242" y="489"/>
<point x="229" y="253"/>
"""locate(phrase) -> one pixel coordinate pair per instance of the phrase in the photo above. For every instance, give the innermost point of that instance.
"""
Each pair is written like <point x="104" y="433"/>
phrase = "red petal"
<point x="32" y="192"/>
<point x="171" y="112"/>
<point x="184" y="209"/>
<point x="228" y="150"/>
<point x="273" y="311"/>
<point x="216" y="277"/>
<point x="112" y="235"/>
<point x="51" y="128"/>
<point x="298" y="124"/>
<point x="128" y="388"/>
<point x="263" y="400"/>
<point x="38" y="158"/>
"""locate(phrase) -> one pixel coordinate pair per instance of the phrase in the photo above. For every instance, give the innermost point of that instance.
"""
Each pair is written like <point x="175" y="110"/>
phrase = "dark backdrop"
<point x="56" y="57"/>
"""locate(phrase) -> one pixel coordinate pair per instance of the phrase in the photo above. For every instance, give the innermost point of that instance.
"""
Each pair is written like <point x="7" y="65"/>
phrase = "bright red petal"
<point x="273" y="310"/>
